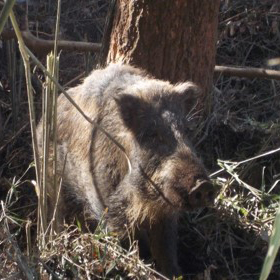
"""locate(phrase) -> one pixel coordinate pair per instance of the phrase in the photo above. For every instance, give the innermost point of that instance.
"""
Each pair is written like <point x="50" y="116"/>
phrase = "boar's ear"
<point x="189" y="93"/>
<point x="129" y="107"/>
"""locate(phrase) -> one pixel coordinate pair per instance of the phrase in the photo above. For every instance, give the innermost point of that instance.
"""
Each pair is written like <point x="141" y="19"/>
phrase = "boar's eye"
<point x="151" y="133"/>
<point x="154" y="136"/>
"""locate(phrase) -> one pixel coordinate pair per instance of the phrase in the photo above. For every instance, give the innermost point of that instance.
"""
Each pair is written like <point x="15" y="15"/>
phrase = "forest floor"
<point x="229" y="241"/>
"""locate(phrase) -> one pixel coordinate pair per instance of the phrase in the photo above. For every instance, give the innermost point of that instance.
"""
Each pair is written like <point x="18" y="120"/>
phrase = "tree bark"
<point x="173" y="39"/>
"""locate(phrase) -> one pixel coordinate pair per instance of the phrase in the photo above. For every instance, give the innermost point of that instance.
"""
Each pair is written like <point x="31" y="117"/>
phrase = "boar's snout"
<point x="203" y="194"/>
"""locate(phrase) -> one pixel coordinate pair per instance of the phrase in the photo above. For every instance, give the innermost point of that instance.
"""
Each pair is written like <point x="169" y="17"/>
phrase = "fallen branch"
<point x="44" y="46"/>
<point x="248" y="72"/>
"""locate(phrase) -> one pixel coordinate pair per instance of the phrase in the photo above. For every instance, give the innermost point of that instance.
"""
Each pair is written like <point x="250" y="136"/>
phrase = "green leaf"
<point x="274" y="244"/>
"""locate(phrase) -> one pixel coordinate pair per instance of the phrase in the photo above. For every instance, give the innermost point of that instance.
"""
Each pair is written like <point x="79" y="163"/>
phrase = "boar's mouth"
<point x="201" y="195"/>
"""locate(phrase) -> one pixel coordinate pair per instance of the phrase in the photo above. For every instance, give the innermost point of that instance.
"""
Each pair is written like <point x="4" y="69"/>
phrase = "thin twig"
<point x="20" y="259"/>
<point x="246" y="160"/>
<point x="8" y="6"/>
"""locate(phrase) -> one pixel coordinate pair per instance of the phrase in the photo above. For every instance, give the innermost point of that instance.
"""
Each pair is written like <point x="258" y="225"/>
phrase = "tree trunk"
<point x="173" y="40"/>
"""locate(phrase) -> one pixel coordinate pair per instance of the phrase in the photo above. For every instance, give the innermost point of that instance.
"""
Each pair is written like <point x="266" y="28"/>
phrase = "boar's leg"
<point x="163" y="242"/>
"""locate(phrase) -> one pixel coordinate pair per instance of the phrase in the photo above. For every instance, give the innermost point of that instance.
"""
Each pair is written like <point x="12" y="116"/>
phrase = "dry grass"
<point x="72" y="254"/>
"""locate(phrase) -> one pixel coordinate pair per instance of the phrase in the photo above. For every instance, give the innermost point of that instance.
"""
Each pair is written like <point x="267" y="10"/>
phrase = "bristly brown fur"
<point x="148" y="118"/>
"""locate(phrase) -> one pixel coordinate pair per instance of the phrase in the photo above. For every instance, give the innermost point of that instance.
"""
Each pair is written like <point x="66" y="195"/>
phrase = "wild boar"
<point x="158" y="176"/>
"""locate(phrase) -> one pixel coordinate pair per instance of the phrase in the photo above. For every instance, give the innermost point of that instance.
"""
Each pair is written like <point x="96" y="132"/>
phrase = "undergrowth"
<point x="238" y="141"/>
